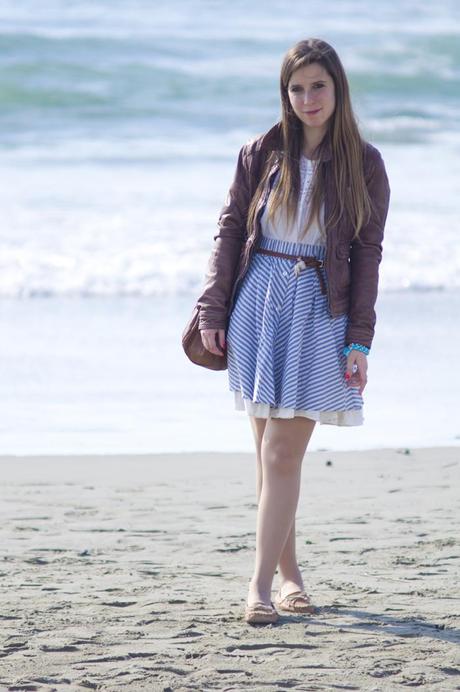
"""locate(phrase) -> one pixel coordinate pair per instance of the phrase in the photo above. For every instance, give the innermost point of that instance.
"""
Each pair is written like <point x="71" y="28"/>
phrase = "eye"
<point x="319" y="86"/>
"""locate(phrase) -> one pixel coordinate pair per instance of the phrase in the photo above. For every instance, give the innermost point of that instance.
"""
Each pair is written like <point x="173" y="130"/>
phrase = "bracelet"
<point x="355" y="347"/>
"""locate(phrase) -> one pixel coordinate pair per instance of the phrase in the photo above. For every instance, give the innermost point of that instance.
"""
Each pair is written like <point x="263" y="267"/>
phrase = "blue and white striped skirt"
<point x="284" y="350"/>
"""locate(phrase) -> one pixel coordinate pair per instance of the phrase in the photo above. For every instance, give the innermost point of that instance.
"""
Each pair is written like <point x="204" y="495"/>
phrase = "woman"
<point x="290" y="294"/>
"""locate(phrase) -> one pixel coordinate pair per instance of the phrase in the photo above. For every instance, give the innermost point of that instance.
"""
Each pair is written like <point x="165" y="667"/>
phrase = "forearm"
<point x="216" y="294"/>
<point x="363" y="296"/>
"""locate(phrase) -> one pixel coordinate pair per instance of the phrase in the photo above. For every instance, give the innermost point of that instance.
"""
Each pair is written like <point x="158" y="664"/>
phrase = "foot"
<point x="289" y="586"/>
<point x="295" y="602"/>
<point x="292" y="598"/>
<point x="258" y="595"/>
<point x="259" y="613"/>
<point x="259" y="606"/>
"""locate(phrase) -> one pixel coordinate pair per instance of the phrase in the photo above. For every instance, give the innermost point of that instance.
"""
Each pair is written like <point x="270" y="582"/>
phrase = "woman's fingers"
<point x="362" y="382"/>
<point x="356" y="373"/>
<point x="214" y="340"/>
<point x="221" y="338"/>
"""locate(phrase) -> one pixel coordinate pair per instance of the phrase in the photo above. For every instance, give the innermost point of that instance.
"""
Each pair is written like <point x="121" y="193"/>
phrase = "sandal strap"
<point x="258" y="605"/>
<point x="296" y="596"/>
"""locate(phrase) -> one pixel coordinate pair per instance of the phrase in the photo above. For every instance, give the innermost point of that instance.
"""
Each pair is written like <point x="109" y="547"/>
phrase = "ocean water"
<point x="120" y="124"/>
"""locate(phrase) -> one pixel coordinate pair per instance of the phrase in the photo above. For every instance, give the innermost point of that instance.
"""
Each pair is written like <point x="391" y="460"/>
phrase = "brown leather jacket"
<point x="352" y="268"/>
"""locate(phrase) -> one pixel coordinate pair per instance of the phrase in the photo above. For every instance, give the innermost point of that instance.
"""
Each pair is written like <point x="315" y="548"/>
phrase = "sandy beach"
<point x="130" y="572"/>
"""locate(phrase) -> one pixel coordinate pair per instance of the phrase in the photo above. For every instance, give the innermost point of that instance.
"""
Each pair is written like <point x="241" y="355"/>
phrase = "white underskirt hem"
<point x="261" y="410"/>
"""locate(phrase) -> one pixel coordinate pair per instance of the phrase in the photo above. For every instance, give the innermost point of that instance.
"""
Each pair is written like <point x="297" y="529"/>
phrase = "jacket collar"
<point x="272" y="139"/>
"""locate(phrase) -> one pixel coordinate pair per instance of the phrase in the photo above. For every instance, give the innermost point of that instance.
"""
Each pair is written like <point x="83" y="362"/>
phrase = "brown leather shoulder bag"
<point x="195" y="349"/>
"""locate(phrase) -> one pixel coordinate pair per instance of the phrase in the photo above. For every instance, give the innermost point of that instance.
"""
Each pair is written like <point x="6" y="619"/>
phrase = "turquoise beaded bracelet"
<point x="355" y="347"/>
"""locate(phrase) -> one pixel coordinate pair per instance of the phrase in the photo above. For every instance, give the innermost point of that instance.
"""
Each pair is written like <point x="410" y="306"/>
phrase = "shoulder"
<point x="254" y="152"/>
<point x="373" y="163"/>
<point x="371" y="155"/>
<point x="262" y="143"/>
<point x="375" y="174"/>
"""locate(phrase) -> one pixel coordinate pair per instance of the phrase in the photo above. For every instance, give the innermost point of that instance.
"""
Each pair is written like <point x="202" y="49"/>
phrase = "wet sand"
<point x="131" y="572"/>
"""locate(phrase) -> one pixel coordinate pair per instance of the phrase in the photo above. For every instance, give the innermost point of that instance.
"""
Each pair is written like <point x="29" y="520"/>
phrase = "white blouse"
<point x="278" y="228"/>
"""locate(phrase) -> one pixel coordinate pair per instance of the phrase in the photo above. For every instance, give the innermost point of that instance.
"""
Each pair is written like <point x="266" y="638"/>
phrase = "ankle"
<point x="288" y="586"/>
<point x="258" y="591"/>
<point x="292" y="574"/>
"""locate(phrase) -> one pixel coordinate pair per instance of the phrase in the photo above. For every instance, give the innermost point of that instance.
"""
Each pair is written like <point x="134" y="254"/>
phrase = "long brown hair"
<point x="342" y="138"/>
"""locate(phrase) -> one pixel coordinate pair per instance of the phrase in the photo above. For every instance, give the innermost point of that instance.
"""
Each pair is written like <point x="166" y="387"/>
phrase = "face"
<point x="312" y="95"/>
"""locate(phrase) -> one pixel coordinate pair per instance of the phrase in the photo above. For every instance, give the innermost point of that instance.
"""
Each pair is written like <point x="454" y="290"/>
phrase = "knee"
<point x="279" y="457"/>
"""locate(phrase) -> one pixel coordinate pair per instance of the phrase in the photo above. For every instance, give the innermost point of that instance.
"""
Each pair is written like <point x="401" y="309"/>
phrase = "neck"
<point x="311" y="140"/>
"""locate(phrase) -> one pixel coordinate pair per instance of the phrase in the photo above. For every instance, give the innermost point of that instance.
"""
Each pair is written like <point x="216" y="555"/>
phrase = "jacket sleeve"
<point x="228" y="241"/>
<point x="365" y="257"/>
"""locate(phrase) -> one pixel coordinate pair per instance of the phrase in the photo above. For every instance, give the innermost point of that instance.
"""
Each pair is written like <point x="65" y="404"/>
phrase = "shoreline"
<point x="176" y="456"/>
<point x="205" y="452"/>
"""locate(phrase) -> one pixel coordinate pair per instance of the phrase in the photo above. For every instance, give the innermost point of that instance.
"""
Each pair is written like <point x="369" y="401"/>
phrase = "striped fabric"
<point x="283" y="347"/>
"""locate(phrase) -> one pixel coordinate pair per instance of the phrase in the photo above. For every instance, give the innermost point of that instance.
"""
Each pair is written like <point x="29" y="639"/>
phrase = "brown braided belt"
<point x="302" y="263"/>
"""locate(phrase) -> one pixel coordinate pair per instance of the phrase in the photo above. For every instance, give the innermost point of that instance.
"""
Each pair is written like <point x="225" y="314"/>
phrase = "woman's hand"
<point x="359" y="377"/>
<point x="212" y="338"/>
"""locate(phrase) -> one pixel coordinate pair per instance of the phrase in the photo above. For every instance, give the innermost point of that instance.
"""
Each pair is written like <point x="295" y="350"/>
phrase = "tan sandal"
<point x="296" y="602"/>
<point x="260" y="613"/>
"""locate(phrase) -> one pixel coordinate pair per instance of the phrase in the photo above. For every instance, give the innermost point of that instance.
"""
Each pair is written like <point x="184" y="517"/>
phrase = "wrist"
<point x="355" y="347"/>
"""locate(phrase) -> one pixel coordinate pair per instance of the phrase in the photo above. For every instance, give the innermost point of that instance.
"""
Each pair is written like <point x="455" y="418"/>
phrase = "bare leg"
<point x="288" y="568"/>
<point x="290" y="575"/>
<point x="280" y="446"/>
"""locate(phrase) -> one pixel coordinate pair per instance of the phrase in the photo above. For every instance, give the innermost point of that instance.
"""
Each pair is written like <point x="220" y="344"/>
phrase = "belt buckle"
<point x="299" y="265"/>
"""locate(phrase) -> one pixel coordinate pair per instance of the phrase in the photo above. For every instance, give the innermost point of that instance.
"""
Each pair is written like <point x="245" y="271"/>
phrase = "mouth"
<point x="312" y="112"/>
